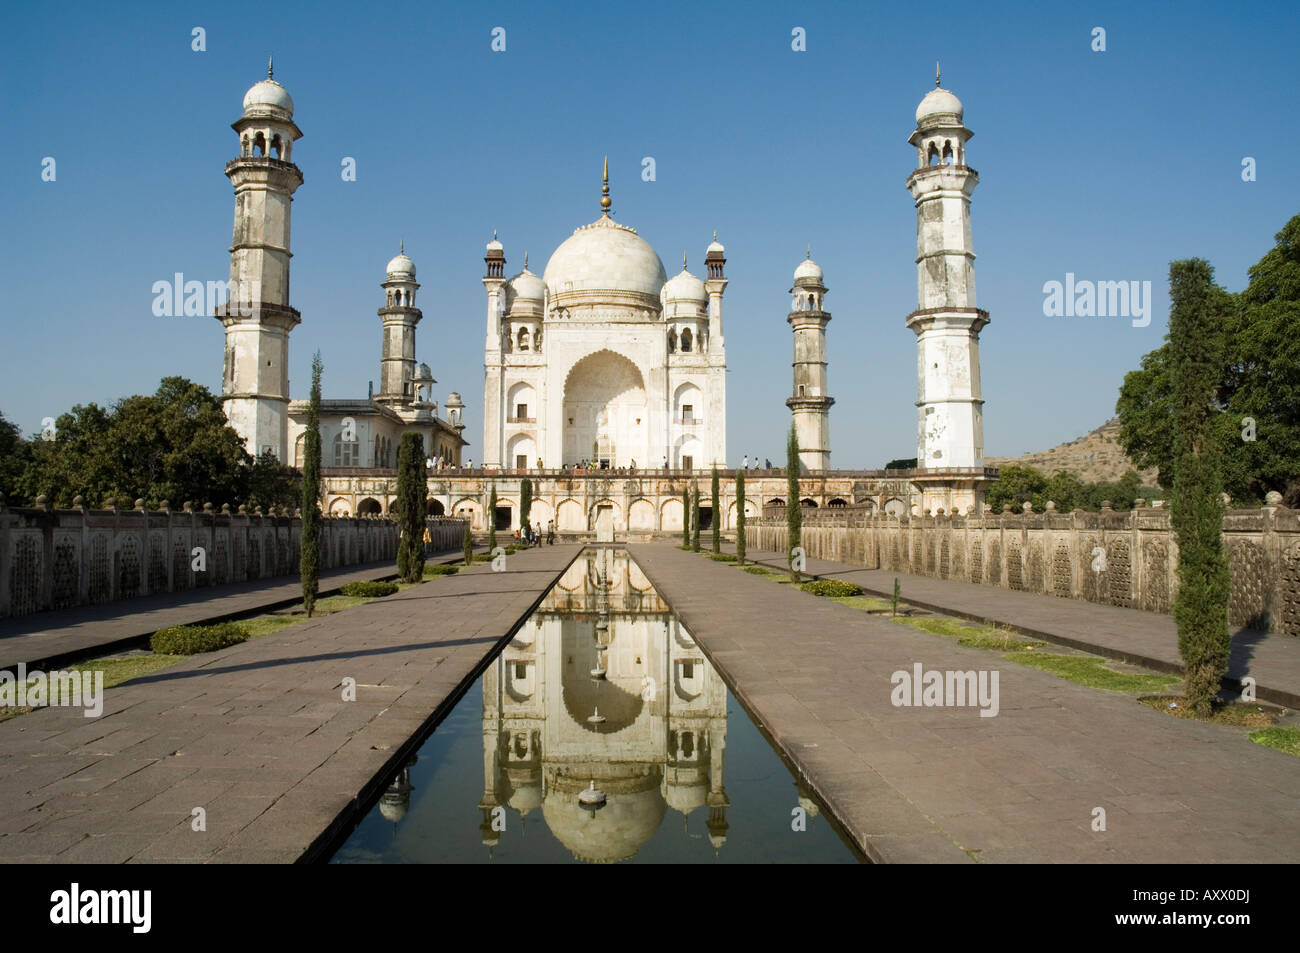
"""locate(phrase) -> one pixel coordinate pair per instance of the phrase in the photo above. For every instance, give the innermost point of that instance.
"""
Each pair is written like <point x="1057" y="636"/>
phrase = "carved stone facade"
<point x="1120" y="559"/>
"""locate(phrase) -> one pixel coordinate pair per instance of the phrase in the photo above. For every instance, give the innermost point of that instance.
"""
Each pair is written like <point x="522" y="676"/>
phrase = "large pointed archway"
<point x="606" y="417"/>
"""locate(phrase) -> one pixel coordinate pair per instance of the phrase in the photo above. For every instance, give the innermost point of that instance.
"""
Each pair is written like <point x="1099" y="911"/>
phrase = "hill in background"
<point x="1094" y="458"/>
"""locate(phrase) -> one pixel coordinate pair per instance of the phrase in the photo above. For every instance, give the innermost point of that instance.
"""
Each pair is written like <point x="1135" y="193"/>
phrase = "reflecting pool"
<point x="600" y="733"/>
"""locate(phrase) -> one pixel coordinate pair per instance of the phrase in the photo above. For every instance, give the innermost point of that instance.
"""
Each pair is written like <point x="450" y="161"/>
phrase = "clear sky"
<point x="1105" y="164"/>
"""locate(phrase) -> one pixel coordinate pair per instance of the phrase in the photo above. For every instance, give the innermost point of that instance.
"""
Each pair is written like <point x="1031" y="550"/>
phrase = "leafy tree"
<point x="716" y="522"/>
<point x="1196" y="345"/>
<point x="309" y="561"/>
<point x="901" y="464"/>
<point x="793" y="508"/>
<point x="272" y="483"/>
<point x="492" y="518"/>
<point x="1014" y="485"/>
<point x="740" y="517"/>
<point x="15" y="457"/>
<point x="1256" y="424"/>
<point x="411" y="484"/>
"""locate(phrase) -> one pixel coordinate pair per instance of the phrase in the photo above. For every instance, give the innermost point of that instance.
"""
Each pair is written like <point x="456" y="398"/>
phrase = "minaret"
<point x="494" y="398"/>
<point x="715" y="283"/>
<point x="256" y="315"/>
<point x="809" y="403"/>
<point x="400" y="316"/>
<point x="950" y="430"/>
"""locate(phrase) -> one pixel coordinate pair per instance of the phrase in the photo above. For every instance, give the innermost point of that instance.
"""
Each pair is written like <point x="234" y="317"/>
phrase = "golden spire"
<point x="401" y="246"/>
<point x="525" y="260"/>
<point x="936" y="74"/>
<point x="715" y="234"/>
<point x="809" y="255"/>
<point x="270" y="67"/>
<point x="605" y="201"/>
<point x="683" y="261"/>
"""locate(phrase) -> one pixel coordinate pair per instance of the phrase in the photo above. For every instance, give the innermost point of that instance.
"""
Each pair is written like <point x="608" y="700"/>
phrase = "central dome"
<point x="605" y="263"/>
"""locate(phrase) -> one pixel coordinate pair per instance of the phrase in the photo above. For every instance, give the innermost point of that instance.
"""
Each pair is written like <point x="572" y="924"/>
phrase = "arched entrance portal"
<point x="605" y="416"/>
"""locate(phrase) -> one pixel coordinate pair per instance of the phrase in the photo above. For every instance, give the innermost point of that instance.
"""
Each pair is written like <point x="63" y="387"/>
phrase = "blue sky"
<point x="1105" y="164"/>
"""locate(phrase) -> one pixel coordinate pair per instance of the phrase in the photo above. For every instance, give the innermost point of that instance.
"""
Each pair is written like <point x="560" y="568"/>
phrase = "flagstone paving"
<point x="1131" y="635"/>
<point x="259" y="735"/>
<point x="50" y="638"/>
<point x="913" y="784"/>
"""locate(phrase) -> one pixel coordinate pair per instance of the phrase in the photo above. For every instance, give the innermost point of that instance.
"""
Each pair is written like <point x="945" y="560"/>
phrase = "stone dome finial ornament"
<point x="270" y="66"/>
<point x="605" y="200"/>
<point x="936" y="74"/>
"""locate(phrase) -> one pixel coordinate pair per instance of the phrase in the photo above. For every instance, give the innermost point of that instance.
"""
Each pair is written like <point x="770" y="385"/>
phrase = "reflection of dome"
<point x="608" y="262"/>
<point x="526" y="789"/>
<point x="392" y="807"/>
<point x="685" y="795"/>
<point x="632" y="813"/>
<point x="938" y="102"/>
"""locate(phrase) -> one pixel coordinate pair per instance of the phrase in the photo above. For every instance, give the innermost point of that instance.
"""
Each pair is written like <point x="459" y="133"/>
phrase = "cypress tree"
<point x="793" y="511"/>
<point x="686" y="518"/>
<point x="467" y="543"/>
<point x="695" y="520"/>
<point x="309" y="540"/>
<point x="716" y="521"/>
<point x="411" y="507"/>
<point x="492" y="518"/>
<point x="525" y="505"/>
<point x="1197" y="315"/>
<point x="740" y="517"/>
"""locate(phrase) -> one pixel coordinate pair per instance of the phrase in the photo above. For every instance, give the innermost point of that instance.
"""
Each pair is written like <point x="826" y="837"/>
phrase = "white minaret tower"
<point x="950" y="429"/>
<point x="400" y="316"/>
<point x="256" y="315"/>
<point x="809" y="403"/>
<point x="715" y="283"/>
<point x="494" y="397"/>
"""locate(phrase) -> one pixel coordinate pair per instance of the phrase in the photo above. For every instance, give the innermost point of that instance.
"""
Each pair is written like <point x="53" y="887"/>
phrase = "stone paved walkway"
<point x="258" y="734"/>
<point x="915" y="784"/>
<point x="1130" y="635"/>
<point x="48" y="639"/>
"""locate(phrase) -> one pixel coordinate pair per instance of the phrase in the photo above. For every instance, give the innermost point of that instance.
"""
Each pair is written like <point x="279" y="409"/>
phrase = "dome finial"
<point x="270" y="66"/>
<point x="936" y="74"/>
<point x="683" y="261"/>
<point x="715" y="234"/>
<point x="605" y="201"/>
<point x="808" y="256"/>
<point x="494" y="234"/>
<point x="401" y="246"/>
<point x="525" y="259"/>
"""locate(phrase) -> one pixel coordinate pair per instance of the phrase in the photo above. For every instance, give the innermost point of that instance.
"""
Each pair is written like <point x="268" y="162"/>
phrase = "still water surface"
<point x="602" y="684"/>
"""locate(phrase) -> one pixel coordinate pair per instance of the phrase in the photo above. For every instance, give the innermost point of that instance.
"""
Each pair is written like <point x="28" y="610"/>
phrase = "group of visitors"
<point x="745" y="464"/>
<point x="532" y="535"/>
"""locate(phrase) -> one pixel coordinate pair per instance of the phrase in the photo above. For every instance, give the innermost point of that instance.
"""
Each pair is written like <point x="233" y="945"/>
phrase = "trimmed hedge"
<point x="194" y="639"/>
<point x="440" y="571"/>
<point x="756" y="570"/>
<point x="832" y="587"/>
<point x="369" y="589"/>
<point x="722" y="557"/>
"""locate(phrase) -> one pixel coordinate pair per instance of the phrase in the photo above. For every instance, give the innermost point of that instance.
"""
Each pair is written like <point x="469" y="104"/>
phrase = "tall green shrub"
<point x="411" y="493"/>
<point x="793" y="511"/>
<point x="1198" y="312"/>
<point x="695" y="519"/>
<point x="467" y="542"/>
<point x="686" y="517"/>
<point x="717" y="514"/>
<point x="525" y="504"/>
<point x="492" y="518"/>
<point x="740" y="517"/>
<point x="309" y="541"/>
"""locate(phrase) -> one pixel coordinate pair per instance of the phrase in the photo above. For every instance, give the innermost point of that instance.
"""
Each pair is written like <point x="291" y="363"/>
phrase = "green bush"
<point x="430" y="570"/>
<point x="369" y="589"/>
<point x="832" y="587"/>
<point x="722" y="557"/>
<point x="193" y="639"/>
<point x="756" y="570"/>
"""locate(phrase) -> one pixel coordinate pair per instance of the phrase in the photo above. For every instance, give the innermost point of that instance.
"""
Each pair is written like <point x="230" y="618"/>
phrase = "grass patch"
<point x="722" y="557"/>
<point x="1241" y="714"/>
<point x="193" y="639"/>
<point x="865" y="603"/>
<point x="441" y="570"/>
<point x="1283" y="739"/>
<point x="123" y="669"/>
<point x="831" y="587"/>
<point x="975" y="637"/>
<point x="371" y="589"/>
<point x="1094" y="672"/>
<point x="261" y="625"/>
<point x="756" y="570"/>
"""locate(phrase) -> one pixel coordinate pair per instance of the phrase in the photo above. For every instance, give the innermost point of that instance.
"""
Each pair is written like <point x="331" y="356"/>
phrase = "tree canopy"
<point x="1256" y="420"/>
